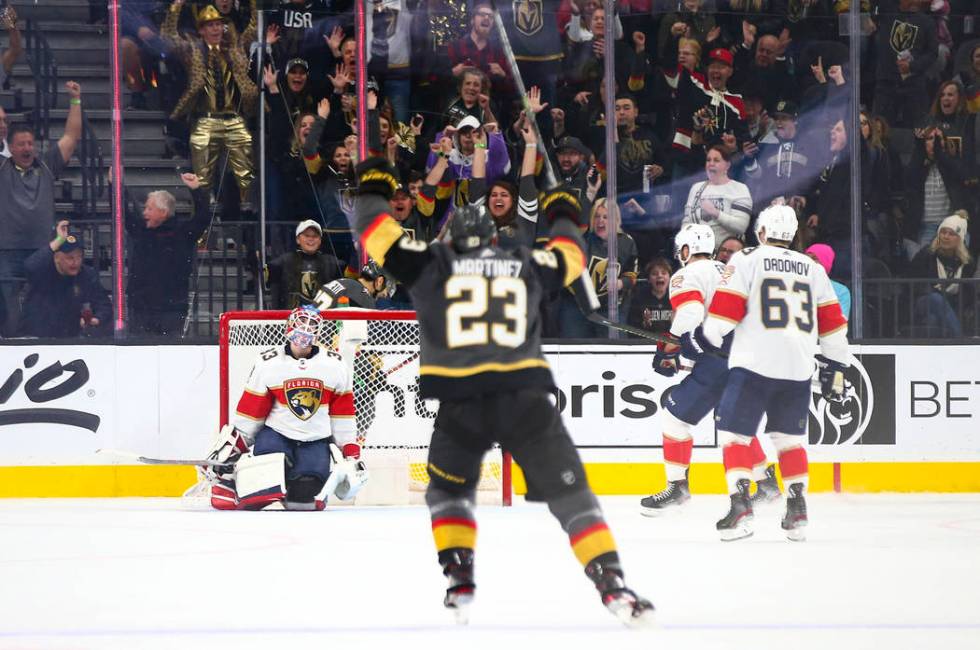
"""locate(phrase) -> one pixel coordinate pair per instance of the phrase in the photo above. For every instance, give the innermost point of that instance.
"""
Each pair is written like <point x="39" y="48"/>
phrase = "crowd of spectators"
<point x="721" y="108"/>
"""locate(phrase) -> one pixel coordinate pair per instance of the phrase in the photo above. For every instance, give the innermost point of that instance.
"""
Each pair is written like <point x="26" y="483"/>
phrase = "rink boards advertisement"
<point x="59" y="404"/>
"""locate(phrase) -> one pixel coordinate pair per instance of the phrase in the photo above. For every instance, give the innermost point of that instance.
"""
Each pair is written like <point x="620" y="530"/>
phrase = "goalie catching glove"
<point x="348" y="474"/>
<point x="831" y="375"/>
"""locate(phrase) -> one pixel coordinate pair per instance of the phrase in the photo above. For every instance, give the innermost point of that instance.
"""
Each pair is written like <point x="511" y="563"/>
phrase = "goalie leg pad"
<point x="223" y="496"/>
<point x="261" y="481"/>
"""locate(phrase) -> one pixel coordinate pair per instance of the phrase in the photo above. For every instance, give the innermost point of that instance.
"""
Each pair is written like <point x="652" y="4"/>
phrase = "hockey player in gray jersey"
<point x="481" y="357"/>
<point x="348" y="292"/>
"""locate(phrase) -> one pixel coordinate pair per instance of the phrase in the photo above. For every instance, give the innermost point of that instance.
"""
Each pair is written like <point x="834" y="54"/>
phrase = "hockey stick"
<point x="146" y="460"/>
<point x="597" y="318"/>
<point x="550" y="180"/>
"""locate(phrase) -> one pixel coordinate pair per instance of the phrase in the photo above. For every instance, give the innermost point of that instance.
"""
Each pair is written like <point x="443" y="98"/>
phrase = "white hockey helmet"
<point x="779" y="222"/>
<point x="303" y="326"/>
<point x="699" y="239"/>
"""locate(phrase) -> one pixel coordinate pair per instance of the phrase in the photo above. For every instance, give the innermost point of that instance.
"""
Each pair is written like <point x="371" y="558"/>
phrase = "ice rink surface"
<point x="887" y="572"/>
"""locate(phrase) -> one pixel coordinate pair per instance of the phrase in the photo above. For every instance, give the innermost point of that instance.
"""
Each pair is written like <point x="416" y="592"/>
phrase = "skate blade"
<point x="659" y="512"/>
<point x="645" y="619"/>
<point x="735" y="534"/>
<point x="797" y="534"/>
<point x="624" y="611"/>
<point x="460" y="607"/>
<point x="461" y="614"/>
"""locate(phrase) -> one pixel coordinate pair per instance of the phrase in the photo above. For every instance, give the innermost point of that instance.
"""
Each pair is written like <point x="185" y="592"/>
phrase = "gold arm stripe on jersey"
<point x="443" y="371"/>
<point x="574" y="257"/>
<point x="379" y="237"/>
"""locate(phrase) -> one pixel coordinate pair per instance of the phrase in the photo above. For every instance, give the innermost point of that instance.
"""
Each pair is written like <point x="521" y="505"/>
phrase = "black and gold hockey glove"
<point x="562" y="204"/>
<point x="376" y="176"/>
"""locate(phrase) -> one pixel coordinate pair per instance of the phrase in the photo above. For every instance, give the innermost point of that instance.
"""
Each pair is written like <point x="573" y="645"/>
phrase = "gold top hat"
<point x="207" y="15"/>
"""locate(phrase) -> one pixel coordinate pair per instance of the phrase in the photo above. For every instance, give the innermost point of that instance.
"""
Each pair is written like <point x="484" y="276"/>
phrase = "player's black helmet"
<point x="371" y="270"/>
<point x="471" y="228"/>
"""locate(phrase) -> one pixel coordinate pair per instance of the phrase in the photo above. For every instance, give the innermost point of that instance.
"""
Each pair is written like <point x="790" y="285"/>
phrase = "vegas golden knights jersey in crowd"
<point x="478" y="311"/>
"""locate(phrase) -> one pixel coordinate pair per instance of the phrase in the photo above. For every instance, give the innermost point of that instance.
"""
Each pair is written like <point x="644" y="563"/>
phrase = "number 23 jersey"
<point x="780" y="303"/>
<point x="479" y="321"/>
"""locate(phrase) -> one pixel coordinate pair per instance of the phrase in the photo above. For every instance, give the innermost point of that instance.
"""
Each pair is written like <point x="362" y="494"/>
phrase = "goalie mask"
<point x="779" y="223"/>
<point x="699" y="240"/>
<point x="303" y="326"/>
<point x="471" y="228"/>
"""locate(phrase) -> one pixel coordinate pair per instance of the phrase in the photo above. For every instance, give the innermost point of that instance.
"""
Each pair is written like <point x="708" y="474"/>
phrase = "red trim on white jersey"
<point x="830" y="318"/>
<point x="691" y="295"/>
<point x="728" y="305"/>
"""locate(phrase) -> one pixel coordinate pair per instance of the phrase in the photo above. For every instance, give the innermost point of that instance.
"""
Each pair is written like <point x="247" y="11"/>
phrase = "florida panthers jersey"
<point x="780" y="304"/>
<point x="302" y="399"/>
<point x="691" y="291"/>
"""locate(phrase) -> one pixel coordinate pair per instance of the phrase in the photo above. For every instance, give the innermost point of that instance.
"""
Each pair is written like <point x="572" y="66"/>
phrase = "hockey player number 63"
<point x="776" y="311"/>
<point x="466" y="322"/>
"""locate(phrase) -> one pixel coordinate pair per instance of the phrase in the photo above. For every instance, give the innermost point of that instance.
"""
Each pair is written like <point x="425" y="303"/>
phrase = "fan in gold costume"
<point x="219" y="92"/>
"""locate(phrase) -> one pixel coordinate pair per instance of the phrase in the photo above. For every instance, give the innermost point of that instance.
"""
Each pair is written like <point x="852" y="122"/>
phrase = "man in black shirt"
<point x="161" y="258"/>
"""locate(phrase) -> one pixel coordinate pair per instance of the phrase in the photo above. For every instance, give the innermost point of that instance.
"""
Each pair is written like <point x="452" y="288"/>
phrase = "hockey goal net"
<point x="394" y="424"/>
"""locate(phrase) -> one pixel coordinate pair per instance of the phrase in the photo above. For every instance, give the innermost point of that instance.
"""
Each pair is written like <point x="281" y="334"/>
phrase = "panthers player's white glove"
<point x="348" y="475"/>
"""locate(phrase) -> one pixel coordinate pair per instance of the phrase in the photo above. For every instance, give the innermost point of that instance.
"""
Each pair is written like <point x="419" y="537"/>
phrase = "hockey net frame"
<point x="394" y="432"/>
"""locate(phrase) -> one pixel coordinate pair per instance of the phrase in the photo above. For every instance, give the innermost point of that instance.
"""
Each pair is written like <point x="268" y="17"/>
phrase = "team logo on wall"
<point x="866" y="414"/>
<point x="45" y="385"/>
<point x="529" y="16"/>
<point x="303" y="396"/>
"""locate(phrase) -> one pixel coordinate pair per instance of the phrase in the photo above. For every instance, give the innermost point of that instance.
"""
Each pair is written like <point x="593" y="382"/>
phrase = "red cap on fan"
<point x="721" y="55"/>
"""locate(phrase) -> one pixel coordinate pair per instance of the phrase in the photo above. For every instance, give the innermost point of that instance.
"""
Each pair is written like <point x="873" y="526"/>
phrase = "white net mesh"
<point x="394" y="424"/>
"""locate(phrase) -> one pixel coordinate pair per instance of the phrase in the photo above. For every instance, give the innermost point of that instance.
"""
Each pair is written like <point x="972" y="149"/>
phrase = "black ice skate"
<point x="624" y="603"/>
<point x="794" y="521"/>
<point x="457" y="565"/>
<point x="736" y="524"/>
<point x="675" y="494"/>
<point x="767" y="490"/>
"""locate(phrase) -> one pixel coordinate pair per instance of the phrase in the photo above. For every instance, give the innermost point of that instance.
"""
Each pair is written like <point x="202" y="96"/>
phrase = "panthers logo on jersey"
<point x="303" y="396"/>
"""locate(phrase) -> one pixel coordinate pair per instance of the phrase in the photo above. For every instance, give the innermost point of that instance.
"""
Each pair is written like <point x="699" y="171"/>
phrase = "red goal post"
<point x="394" y="424"/>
